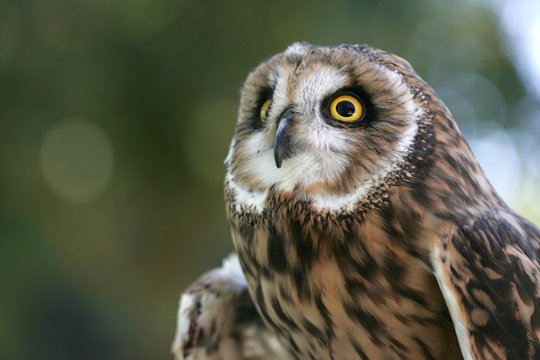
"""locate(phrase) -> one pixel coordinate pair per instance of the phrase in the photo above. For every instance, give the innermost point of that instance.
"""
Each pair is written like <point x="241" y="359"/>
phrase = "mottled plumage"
<point x="217" y="320"/>
<point x="378" y="238"/>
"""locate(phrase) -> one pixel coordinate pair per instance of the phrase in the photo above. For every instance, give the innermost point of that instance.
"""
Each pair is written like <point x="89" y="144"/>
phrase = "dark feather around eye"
<point x="264" y="94"/>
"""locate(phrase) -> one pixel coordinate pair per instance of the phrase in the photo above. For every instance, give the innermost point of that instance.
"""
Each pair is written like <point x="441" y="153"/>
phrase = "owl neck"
<point x="308" y="267"/>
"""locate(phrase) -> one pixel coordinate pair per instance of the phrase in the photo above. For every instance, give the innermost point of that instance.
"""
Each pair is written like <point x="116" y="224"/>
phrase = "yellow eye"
<point x="264" y="110"/>
<point x="346" y="108"/>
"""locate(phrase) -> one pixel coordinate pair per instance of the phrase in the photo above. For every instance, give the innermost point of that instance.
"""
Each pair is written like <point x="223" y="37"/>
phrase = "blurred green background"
<point x="115" y="119"/>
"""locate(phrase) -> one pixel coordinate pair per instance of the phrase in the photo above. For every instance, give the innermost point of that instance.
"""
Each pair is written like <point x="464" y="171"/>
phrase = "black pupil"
<point x="345" y="108"/>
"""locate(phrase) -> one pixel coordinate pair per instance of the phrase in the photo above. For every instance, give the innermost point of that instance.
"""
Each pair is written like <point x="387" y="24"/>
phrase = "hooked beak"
<point x="282" y="140"/>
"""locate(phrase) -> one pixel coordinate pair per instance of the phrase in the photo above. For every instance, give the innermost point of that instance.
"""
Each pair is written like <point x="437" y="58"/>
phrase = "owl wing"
<point x="217" y="320"/>
<point x="489" y="274"/>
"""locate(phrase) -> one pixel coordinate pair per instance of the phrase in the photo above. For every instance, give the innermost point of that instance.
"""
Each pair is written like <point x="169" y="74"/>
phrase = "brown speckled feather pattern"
<point x="217" y="320"/>
<point x="490" y="265"/>
<point x="427" y="263"/>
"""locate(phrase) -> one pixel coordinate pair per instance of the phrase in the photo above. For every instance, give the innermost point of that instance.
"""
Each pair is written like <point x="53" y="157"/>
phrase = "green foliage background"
<point x="99" y="278"/>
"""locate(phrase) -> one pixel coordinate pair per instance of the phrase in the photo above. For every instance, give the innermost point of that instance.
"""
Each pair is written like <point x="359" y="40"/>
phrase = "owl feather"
<point x="364" y="226"/>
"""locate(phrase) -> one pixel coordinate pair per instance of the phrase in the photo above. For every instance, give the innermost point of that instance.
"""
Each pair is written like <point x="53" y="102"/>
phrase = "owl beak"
<point x="282" y="143"/>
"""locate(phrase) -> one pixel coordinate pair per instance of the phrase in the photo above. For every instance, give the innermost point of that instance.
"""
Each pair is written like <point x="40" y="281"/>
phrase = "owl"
<point x="364" y="227"/>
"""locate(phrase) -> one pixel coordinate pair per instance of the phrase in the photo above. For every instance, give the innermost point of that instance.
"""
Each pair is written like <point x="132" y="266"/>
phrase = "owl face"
<point x="325" y="125"/>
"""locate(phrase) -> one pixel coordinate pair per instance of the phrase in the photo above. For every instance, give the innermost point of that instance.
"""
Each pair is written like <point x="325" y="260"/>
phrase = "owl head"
<point x="330" y="126"/>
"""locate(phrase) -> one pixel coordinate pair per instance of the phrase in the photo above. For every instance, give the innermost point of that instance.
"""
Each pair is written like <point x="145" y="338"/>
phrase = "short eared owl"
<point x="363" y="225"/>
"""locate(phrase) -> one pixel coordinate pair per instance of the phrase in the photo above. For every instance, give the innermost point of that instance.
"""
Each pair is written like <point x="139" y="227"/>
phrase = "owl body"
<point x="348" y="299"/>
<point x="362" y="222"/>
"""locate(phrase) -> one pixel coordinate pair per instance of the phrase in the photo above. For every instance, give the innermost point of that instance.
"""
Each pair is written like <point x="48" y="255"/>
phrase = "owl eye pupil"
<point x="345" y="108"/>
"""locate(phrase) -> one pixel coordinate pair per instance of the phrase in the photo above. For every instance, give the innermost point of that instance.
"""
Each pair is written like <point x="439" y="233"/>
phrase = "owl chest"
<point x="350" y="301"/>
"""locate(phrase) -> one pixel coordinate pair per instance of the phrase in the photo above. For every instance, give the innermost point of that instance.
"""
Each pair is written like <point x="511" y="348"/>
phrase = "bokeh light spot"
<point x="521" y="21"/>
<point x="77" y="160"/>
<point x="498" y="156"/>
